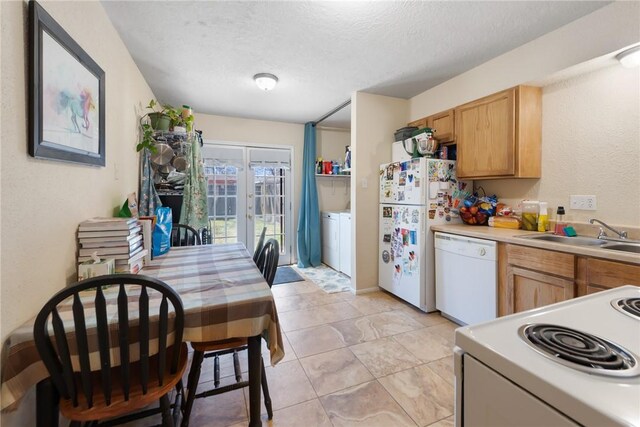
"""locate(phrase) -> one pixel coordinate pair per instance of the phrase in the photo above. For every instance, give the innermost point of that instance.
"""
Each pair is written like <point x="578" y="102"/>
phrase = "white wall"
<point x="334" y="194"/>
<point x="590" y="145"/>
<point x="579" y="114"/>
<point x="374" y="119"/>
<point x="43" y="201"/>
<point x="601" y="32"/>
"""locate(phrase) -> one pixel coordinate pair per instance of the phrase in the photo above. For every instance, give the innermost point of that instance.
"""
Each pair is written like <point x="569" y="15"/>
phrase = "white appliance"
<point x="345" y="243"/>
<point x="521" y="369"/>
<point x="398" y="153"/>
<point x="414" y="195"/>
<point x="466" y="278"/>
<point x="331" y="239"/>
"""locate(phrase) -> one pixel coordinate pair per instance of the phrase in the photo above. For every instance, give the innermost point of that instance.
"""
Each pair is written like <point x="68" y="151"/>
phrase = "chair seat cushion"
<point x="219" y="345"/>
<point x="137" y="400"/>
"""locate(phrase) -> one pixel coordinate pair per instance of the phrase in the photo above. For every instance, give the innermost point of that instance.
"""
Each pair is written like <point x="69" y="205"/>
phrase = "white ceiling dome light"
<point x="629" y="58"/>
<point x="265" y="81"/>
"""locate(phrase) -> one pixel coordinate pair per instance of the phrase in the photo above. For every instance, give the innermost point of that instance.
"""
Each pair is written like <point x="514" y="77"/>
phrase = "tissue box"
<point x="91" y="268"/>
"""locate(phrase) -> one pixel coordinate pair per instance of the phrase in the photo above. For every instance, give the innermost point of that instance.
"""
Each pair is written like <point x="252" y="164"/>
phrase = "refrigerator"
<point x="414" y="195"/>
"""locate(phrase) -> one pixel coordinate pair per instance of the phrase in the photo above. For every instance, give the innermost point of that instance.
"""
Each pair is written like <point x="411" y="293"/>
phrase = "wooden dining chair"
<point x="184" y="235"/>
<point x="260" y="244"/>
<point x="205" y="236"/>
<point x="267" y="263"/>
<point x="90" y="359"/>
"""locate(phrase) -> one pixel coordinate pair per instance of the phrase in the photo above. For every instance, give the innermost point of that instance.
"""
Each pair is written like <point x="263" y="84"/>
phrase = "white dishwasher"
<point x="466" y="278"/>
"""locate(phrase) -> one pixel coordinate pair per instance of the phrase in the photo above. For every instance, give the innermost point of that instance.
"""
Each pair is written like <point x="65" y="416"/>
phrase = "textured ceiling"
<point x="205" y="53"/>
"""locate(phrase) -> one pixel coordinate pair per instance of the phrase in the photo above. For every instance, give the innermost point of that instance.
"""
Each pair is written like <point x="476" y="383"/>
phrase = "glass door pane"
<point x="226" y="194"/>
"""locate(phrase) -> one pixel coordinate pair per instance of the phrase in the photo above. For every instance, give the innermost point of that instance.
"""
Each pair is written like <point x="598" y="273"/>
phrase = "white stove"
<point x="572" y="363"/>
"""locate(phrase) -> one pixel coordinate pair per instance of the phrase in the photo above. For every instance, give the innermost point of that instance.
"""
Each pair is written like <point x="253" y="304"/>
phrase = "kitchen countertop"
<point x="507" y="235"/>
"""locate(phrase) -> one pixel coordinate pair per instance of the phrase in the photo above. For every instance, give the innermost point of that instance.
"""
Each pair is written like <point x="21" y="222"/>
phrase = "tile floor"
<point x="368" y="360"/>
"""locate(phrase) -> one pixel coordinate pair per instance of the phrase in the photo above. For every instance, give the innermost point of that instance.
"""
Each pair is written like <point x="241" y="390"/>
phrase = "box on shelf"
<point x="89" y="269"/>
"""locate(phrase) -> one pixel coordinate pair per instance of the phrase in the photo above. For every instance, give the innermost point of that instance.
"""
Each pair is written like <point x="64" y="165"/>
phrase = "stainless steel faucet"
<point x="602" y="234"/>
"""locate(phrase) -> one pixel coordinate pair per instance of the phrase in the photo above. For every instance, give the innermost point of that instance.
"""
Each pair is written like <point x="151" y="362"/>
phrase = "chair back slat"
<point x="259" y="246"/>
<point x="144" y="339"/>
<point x="162" y="339"/>
<point x="268" y="260"/>
<point x="205" y="236"/>
<point x="83" y="349"/>
<point x="184" y="235"/>
<point x="103" y="344"/>
<point x="69" y="390"/>
<point x="123" y="339"/>
<point x="58" y="358"/>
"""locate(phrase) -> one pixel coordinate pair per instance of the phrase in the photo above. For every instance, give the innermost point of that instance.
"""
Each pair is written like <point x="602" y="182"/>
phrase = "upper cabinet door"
<point x="422" y="123"/>
<point x="443" y="123"/>
<point x="499" y="136"/>
<point x="485" y="135"/>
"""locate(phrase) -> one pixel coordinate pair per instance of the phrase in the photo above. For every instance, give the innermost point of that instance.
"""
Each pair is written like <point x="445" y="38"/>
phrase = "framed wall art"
<point x="66" y="95"/>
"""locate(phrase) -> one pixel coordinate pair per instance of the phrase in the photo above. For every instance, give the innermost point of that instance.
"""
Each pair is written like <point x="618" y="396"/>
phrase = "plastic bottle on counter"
<point x="560" y="224"/>
<point x="543" y="217"/>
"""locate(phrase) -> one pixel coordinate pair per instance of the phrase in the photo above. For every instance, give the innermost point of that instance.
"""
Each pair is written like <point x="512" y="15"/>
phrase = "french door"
<point x="249" y="189"/>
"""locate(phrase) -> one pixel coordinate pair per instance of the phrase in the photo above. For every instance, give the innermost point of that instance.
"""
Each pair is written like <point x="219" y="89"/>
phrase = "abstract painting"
<point x="66" y="94"/>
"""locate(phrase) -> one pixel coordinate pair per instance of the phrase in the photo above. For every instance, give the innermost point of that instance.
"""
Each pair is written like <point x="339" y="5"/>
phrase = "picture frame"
<point x="66" y="95"/>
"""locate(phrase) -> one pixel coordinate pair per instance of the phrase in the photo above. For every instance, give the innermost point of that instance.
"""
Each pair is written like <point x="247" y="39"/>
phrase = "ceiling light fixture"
<point x="629" y="58"/>
<point x="265" y="81"/>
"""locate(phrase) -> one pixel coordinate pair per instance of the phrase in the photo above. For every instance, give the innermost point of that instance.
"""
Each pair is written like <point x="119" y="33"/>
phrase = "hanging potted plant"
<point x="160" y="119"/>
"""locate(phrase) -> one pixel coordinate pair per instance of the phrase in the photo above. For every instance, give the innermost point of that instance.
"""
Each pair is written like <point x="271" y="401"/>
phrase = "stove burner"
<point x="580" y="350"/>
<point x="628" y="306"/>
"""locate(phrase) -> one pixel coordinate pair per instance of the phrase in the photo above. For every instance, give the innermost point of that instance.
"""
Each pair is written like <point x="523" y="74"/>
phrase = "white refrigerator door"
<point x="403" y="182"/>
<point x="401" y="265"/>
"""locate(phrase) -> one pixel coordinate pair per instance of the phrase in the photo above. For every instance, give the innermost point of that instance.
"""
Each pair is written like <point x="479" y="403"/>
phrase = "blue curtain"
<point x="309" y="216"/>
<point x="148" y="200"/>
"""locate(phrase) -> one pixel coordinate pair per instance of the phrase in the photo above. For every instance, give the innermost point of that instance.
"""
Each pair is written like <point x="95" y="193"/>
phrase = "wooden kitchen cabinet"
<point x="499" y="136"/>
<point x="422" y="123"/>
<point x="531" y="278"/>
<point x="595" y="275"/>
<point x="443" y="123"/>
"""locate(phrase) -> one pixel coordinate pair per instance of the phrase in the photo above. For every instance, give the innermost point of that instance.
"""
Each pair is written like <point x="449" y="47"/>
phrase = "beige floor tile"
<point x="288" y="385"/>
<point x="305" y="300"/>
<point x="367" y="405"/>
<point x="383" y="357"/>
<point x="446" y="330"/>
<point x="426" y="319"/>
<point x="447" y="422"/>
<point x="295" y="288"/>
<point x="444" y="368"/>
<point x="375" y="326"/>
<point x="334" y="370"/>
<point x="425" y="344"/>
<point x="425" y="396"/>
<point x="374" y="302"/>
<point x="318" y="339"/>
<point x="314" y="316"/>
<point x="221" y="410"/>
<point x="309" y="414"/>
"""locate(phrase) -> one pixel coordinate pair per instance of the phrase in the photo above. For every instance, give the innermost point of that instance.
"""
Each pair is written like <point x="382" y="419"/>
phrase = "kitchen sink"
<point x="623" y="247"/>
<point x="579" y="241"/>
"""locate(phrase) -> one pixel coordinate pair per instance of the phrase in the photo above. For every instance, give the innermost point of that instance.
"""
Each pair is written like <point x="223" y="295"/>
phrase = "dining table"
<point x="224" y="296"/>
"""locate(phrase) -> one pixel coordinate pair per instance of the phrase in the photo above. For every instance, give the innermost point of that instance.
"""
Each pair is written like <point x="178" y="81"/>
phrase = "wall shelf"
<point x="324" y="175"/>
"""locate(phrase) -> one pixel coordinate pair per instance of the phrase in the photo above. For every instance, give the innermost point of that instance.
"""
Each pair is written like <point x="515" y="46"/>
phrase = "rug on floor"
<point x="286" y="274"/>
<point x="328" y="279"/>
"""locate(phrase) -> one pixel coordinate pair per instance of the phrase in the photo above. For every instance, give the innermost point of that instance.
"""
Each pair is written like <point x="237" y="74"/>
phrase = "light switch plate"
<point x="585" y="203"/>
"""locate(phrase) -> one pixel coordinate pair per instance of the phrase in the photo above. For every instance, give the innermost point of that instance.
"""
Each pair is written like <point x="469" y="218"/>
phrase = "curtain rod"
<point x="332" y="112"/>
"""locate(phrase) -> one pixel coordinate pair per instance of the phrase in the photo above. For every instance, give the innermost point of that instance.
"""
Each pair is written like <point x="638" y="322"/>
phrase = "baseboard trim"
<point x="367" y="290"/>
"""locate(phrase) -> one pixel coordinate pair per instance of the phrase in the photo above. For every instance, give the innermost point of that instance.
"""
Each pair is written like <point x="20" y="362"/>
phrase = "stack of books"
<point x="117" y="238"/>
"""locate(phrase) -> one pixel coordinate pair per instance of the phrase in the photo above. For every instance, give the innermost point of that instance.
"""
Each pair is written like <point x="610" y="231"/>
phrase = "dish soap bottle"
<point x="543" y="217"/>
<point x="560" y="224"/>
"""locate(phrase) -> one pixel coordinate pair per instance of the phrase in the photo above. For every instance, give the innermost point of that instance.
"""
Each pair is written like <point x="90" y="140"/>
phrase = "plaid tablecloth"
<point x="223" y="293"/>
